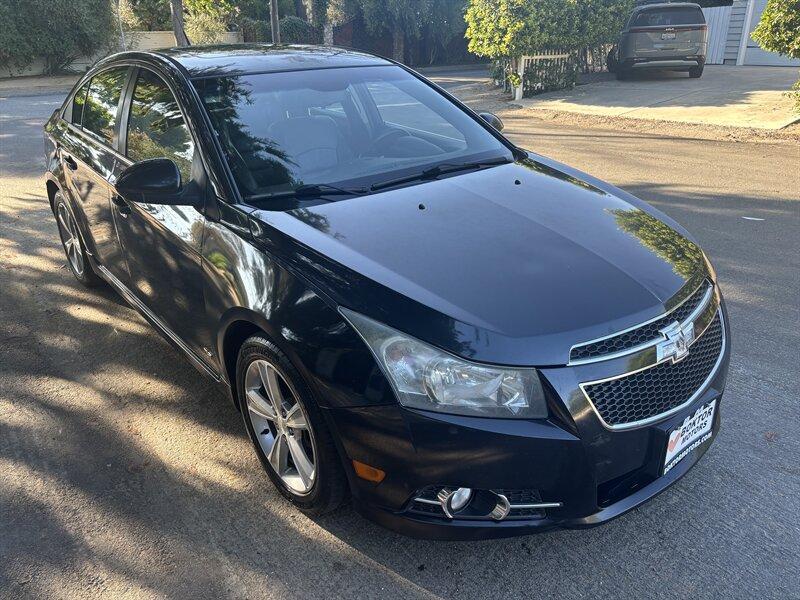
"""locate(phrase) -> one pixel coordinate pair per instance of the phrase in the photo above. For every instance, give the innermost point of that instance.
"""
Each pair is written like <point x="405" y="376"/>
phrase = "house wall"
<point x="740" y="48"/>
<point x="735" y="27"/>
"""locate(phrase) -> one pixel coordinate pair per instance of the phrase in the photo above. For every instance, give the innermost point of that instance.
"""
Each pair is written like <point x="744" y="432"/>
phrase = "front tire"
<point x="287" y="428"/>
<point x="77" y="259"/>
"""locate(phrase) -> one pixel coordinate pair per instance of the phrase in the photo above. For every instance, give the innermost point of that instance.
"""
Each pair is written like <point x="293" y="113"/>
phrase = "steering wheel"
<point x="378" y="141"/>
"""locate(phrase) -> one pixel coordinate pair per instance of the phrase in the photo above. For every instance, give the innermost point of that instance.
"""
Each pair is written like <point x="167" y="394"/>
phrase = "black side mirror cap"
<point x="493" y="120"/>
<point x="155" y="181"/>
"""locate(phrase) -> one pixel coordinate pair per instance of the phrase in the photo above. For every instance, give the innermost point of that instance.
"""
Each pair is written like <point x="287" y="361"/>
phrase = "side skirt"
<point x="157" y="323"/>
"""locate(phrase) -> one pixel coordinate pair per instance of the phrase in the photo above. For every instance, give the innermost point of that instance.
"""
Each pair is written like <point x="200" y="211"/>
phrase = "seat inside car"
<point x="312" y="143"/>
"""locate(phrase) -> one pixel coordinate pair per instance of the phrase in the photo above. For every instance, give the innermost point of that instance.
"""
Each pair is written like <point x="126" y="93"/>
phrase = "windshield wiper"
<point x="313" y="190"/>
<point x="438" y="170"/>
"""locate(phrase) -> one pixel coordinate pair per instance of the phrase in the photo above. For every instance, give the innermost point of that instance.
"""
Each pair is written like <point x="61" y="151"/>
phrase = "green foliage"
<point x="204" y="28"/>
<point x="149" y="15"/>
<point x="779" y="31"/>
<point x="295" y="30"/>
<point x="406" y="16"/>
<point x="59" y="31"/>
<point x="779" y="28"/>
<point x="497" y="28"/>
<point x="255" y="30"/>
<point x="541" y="77"/>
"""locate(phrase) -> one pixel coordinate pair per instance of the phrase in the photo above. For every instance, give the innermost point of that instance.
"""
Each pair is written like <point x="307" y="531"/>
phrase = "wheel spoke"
<point x="278" y="454"/>
<point x="260" y="406"/>
<point x="305" y="469"/>
<point x="64" y="227"/>
<point x="269" y="377"/>
<point x="295" y="418"/>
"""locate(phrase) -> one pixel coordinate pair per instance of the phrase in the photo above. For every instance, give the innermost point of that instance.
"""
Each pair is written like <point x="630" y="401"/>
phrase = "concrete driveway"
<point x="125" y="476"/>
<point x="725" y="95"/>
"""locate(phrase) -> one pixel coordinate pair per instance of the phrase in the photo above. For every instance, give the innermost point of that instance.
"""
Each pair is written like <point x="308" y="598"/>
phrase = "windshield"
<point x="344" y="127"/>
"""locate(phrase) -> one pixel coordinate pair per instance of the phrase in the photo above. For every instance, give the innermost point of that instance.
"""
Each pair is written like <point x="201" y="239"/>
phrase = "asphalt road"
<point x="122" y="473"/>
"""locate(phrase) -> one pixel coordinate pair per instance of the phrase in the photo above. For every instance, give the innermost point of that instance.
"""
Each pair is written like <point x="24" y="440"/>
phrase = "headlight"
<point x="424" y="377"/>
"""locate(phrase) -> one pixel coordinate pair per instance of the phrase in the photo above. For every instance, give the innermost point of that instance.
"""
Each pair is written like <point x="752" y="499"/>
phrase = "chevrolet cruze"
<point x="466" y="338"/>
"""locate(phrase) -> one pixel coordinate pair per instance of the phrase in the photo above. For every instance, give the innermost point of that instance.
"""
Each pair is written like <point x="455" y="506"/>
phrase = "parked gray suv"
<point x="671" y="36"/>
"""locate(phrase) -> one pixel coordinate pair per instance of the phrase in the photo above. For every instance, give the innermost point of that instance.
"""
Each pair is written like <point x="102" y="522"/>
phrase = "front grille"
<point x="658" y="389"/>
<point x="640" y="335"/>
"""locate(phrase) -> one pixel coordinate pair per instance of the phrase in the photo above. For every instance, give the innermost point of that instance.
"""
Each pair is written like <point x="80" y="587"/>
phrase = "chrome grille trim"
<point x="708" y="296"/>
<point x="672" y="411"/>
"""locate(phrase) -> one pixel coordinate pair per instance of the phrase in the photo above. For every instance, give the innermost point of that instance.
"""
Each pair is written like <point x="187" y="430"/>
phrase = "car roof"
<point x="239" y="59"/>
<point x="658" y="5"/>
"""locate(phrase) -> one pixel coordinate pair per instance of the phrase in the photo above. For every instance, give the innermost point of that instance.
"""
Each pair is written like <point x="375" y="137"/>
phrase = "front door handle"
<point x="121" y="204"/>
<point x="70" y="162"/>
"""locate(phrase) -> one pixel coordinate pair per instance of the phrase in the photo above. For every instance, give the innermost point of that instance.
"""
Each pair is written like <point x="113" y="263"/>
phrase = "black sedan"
<point x="467" y="338"/>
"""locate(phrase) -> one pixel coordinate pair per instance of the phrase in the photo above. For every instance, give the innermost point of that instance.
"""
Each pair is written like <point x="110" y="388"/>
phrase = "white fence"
<point x="717" y="19"/>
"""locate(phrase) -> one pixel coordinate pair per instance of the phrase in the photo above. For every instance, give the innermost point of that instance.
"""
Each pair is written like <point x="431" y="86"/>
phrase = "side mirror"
<point x="492" y="120"/>
<point x="155" y="181"/>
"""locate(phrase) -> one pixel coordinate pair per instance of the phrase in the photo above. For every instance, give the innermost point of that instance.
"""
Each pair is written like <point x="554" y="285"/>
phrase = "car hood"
<point x="509" y="265"/>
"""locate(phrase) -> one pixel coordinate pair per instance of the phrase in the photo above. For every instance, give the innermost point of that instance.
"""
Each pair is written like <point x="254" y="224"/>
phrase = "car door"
<point x="90" y="162"/>
<point x="162" y="243"/>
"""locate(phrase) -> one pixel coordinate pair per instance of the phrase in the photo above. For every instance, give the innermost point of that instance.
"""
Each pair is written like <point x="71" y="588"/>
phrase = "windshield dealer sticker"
<point x="690" y="434"/>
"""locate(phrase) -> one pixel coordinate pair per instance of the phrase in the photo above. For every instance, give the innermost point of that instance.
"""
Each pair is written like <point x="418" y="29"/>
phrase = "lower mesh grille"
<point x="659" y="389"/>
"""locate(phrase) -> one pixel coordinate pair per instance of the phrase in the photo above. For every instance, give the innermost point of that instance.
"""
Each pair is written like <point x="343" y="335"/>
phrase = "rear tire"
<point x="288" y="430"/>
<point x="71" y="240"/>
<point x="696" y="72"/>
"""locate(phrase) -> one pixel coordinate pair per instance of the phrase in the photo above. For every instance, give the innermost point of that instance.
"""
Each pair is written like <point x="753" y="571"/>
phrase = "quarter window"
<point x="102" y="103"/>
<point x="77" y="105"/>
<point x="156" y="128"/>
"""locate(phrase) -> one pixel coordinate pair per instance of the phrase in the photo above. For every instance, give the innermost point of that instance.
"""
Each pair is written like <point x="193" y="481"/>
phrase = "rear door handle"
<point x="70" y="162"/>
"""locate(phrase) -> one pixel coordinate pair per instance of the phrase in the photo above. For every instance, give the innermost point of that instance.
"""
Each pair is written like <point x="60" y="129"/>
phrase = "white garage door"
<point x="753" y="55"/>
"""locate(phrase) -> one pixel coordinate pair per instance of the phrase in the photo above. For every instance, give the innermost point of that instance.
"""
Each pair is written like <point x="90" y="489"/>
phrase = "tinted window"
<point x="156" y="127"/>
<point x="347" y="127"/>
<point x="102" y="101"/>
<point x="77" y="105"/>
<point x="667" y="17"/>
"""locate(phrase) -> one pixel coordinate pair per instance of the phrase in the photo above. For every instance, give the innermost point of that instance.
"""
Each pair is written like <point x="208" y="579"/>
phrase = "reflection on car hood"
<point x="511" y="265"/>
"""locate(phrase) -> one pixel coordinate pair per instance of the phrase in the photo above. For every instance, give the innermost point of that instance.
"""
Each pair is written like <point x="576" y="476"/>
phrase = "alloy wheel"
<point x="281" y="426"/>
<point x="68" y="229"/>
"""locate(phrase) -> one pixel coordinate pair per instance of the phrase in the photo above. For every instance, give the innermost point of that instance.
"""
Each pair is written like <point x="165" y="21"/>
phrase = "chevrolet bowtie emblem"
<point x="676" y="346"/>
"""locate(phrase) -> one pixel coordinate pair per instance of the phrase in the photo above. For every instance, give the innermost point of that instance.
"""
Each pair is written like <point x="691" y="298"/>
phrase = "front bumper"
<point x="573" y="458"/>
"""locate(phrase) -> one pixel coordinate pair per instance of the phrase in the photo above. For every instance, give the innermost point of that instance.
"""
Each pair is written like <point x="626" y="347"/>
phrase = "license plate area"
<point x="668" y="36"/>
<point x="691" y="433"/>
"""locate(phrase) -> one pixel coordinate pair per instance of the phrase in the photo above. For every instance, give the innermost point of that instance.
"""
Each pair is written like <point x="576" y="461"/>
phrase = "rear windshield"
<point x="669" y="17"/>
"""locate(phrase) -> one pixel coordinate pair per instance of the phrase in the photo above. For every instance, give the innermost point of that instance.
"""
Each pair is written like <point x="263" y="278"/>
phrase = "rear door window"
<point x="669" y="17"/>
<point x="102" y="103"/>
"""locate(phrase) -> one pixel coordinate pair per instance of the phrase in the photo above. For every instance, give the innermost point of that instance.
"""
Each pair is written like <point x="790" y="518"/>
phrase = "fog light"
<point x="453" y="501"/>
<point x="460" y="498"/>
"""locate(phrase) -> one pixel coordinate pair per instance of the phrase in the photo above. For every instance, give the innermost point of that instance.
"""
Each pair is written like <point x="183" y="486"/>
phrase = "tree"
<point x="176" y="13"/>
<point x="84" y="27"/>
<point x="400" y="18"/>
<point x="779" y="31"/>
<point x="779" y="28"/>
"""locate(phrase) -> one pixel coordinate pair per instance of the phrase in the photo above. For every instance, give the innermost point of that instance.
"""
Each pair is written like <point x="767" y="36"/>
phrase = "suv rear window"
<point x="669" y="17"/>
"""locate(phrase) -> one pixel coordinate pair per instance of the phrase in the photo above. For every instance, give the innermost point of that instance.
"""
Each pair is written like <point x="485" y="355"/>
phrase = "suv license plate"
<point x="694" y="431"/>
<point x="667" y="36"/>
